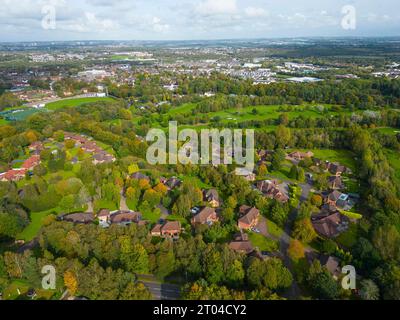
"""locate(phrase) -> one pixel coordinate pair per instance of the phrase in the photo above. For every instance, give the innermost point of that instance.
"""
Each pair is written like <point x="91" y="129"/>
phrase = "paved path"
<point x="122" y="204"/>
<point x="160" y="291"/>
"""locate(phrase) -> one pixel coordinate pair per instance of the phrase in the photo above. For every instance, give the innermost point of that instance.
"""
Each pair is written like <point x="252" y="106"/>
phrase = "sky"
<point x="59" y="20"/>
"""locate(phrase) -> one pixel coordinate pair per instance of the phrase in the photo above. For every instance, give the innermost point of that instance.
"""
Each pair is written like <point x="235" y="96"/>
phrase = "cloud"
<point x="254" y="12"/>
<point x="215" y="7"/>
<point x="158" y="26"/>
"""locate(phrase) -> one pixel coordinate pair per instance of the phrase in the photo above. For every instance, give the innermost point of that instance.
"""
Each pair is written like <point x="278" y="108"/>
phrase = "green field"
<point x="343" y="157"/>
<point x="75" y="102"/>
<point x="33" y="228"/>
<point x="394" y="161"/>
<point x="263" y="243"/>
<point x="388" y="130"/>
<point x="3" y="122"/>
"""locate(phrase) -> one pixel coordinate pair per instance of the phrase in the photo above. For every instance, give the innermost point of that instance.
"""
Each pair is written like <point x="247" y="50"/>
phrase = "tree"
<point x="304" y="231"/>
<point x="283" y="136"/>
<point x="369" y="290"/>
<point x="71" y="282"/>
<point x="387" y="241"/>
<point x="279" y="214"/>
<point x="152" y="197"/>
<point x="277" y="159"/>
<point x="235" y="274"/>
<point x="214" y="271"/>
<point x="136" y="291"/>
<point x="324" y="286"/>
<point x="262" y="170"/>
<point x="133" y="168"/>
<point x="296" y="250"/>
<point x="316" y="200"/>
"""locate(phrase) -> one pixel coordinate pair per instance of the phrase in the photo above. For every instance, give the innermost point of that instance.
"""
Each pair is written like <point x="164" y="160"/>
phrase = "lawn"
<point x="152" y="216"/>
<point x="263" y="243"/>
<point x="388" y="130"/>
<point x="11" y="292"/>
<point x="394" y="161"/>
<point x="104" y="204"/>
<point x="75" y="102"/>
<point x="195" y="182"/>
<point x="273" y="229"/>
<point x="33" y="228"/>
<point x="349" y="238"/>
<point x="3" y="122"/>
<point x="344" y="157"/>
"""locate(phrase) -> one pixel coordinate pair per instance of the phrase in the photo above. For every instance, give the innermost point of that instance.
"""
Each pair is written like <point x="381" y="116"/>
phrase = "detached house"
<point x="205" y="216"/>
<point x="211" y="197"/>
<point x="336" y="169"/>
<point x="78" y="218"/>
<point x="103" y="157"/>
<point x="241" y="244"/>
<point x="125" y="217"/>
<point x="335" y="183"/>
<point x="31" y="162"/>
<point x="298" y="156"/>
<point x="139" y="176"/>
<point x="171" y="230"/>
<point x="249" y="217"/>
<point x="272" y="190"/>
<point x="330" y="226"/>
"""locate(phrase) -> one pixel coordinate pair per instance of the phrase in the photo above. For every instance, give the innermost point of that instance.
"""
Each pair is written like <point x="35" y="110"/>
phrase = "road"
<point x="294" y="291"/>
<point x="160" y="291"/>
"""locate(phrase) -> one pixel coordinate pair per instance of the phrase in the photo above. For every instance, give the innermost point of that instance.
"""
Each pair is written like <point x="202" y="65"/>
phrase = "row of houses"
<point x="20" y="173"/>
<point x="100" y="156"/>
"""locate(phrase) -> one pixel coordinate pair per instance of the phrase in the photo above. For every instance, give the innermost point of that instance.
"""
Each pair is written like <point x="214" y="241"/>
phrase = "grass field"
<point x="75" y="102"/>
<point x="388" y="130"/>
<point x="273" y="229"/>
<point x="263" y="243"/>
<point x="3" y="122"/>
<point x="394" y="161"/>
<point x="33" y="228"/>
<point x="344" y="157"/>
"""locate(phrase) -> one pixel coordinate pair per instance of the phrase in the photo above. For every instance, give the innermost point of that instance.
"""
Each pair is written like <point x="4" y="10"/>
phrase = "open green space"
<point x="273" y="229"/>
<point x="263" y="243"/>
<point x="33" y="228"/>
<point x="75" y="102"/>
<point x="394" y="160"/>
<point x="348" y="238"/>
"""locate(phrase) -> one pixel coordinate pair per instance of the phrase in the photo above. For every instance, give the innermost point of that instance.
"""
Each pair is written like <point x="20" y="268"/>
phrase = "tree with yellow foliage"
<point x="70" y="282"/>
<point x="296" y="250"/>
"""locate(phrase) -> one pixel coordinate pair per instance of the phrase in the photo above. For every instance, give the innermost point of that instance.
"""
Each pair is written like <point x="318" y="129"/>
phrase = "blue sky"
<point x="21" y="20"/>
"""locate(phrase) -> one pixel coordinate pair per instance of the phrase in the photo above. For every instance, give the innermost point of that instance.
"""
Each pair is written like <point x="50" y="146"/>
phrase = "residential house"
<point x="336" y="169"/>
<point x="249" y="217"/>
<point x="205" y="216"/>
<point x="104" y="216"/>
<point x="339" y="199"/>
<point x="103" y="157"/>
<point x="245" y="173"/>
<point x="36" y="147"/>
<point x="299" y="156"/>
<point x="241" y="244"/>
<point x="273" y="190"/>
<point x="171" y="230"/>
<point x="335" y="183"/>
<point x="330" y="226"/>
<point x="139" y="176"/>
<point x="13" y="175"/>
<point x="332" y="264"/>
<point x="78" y="218"/>
<point x="125" y="217"/>
<point x="31" y="163"/>
<point x="211" y="197"/>
<point x="172" y="183"/>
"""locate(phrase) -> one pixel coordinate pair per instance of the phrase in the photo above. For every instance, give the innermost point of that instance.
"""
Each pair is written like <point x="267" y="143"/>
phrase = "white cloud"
<point x="214" y="7"/>
<point x="158" y="26"/>
<point x="254" y="12"/>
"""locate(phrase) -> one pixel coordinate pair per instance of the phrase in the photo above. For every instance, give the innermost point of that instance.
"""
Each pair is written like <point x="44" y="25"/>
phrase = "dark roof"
<point x="331" y="263"/>
<point x="329" y="226"/>
<point x="211" y="195"/>
<point x="103" y="213"/>
<point x="140" y="176"/>
<point x="125" y="216"/>
<point x="242" y="246"/>
<point x="79" y="217"/>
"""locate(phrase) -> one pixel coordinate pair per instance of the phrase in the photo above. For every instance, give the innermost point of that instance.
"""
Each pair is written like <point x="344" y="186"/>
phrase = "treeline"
<point x="83" y="250"/>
